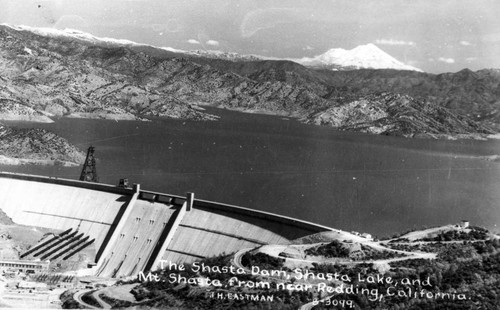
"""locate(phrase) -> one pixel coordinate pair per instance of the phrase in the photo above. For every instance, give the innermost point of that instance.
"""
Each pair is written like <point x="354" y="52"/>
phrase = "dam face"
<point x="133" y="229"/>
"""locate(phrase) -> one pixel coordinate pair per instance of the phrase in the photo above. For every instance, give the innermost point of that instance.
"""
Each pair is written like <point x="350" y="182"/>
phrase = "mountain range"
<point x="53" y="73"/>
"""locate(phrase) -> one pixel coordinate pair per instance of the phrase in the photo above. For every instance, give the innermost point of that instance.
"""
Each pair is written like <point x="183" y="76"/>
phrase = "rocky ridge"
<point x="36" y="146"/>
<point x="57" y="76"/>
<point x="15" y="111"/>
<point x="475" y="95"/>
<point x="393" y="114"/>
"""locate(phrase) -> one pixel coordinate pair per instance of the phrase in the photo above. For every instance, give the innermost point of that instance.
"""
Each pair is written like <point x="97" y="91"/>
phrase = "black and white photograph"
<point x="250" y="154"/>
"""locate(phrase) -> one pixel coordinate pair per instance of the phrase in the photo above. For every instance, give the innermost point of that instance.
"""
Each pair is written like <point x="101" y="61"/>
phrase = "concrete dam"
<point x="133" y="229"/>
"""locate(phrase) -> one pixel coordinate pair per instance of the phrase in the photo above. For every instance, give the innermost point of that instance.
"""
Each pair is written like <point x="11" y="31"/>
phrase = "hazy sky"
<point x="436" y="36"/>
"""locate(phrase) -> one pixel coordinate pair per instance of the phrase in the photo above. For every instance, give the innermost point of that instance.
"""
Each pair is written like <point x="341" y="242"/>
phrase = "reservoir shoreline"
<point x="351" y="181"/>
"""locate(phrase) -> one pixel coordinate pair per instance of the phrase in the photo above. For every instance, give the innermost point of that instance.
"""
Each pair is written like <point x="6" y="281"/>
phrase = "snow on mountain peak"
<point x="363" y="56"/>
<point x="70" y="33"/>
<point x="80" y="35"/>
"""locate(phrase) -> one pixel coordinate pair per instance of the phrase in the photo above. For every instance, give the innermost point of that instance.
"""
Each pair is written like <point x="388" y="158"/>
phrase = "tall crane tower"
<point x="89" y="172"/>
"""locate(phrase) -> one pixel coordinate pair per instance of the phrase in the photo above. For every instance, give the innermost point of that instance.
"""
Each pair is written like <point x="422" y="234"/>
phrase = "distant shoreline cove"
<point x="11" y="161"/>
<point x="200" y="107"/>
<point x="107" y="116"/>
<point x="26" y="118"/>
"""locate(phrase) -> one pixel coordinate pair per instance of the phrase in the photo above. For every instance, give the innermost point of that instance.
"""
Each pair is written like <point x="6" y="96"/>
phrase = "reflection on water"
<point x="345" y="180"/>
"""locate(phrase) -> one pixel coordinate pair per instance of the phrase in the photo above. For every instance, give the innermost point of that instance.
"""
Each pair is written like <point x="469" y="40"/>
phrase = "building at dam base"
<point x="133" y="229"/>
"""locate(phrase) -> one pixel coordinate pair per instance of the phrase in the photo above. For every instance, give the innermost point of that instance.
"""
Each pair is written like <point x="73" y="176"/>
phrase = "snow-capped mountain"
<point x="363" y="56"/>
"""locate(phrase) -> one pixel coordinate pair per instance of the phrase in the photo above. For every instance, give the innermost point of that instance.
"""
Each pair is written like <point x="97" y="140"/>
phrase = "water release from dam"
<point x="351" y="181"/>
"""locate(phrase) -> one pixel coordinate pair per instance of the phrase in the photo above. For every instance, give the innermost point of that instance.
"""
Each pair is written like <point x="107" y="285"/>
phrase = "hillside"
<point x="400" y="115"/>
<point x="475" y="95"/>
<point x="36" y="146"/>
<point x="64" y="76"/>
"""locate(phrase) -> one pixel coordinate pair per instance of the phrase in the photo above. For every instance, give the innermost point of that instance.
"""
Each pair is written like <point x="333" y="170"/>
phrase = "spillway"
<point x="133" y="230"/>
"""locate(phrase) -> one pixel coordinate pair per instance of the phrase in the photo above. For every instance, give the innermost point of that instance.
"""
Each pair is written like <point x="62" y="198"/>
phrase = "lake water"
<point x="351" y="181"/>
